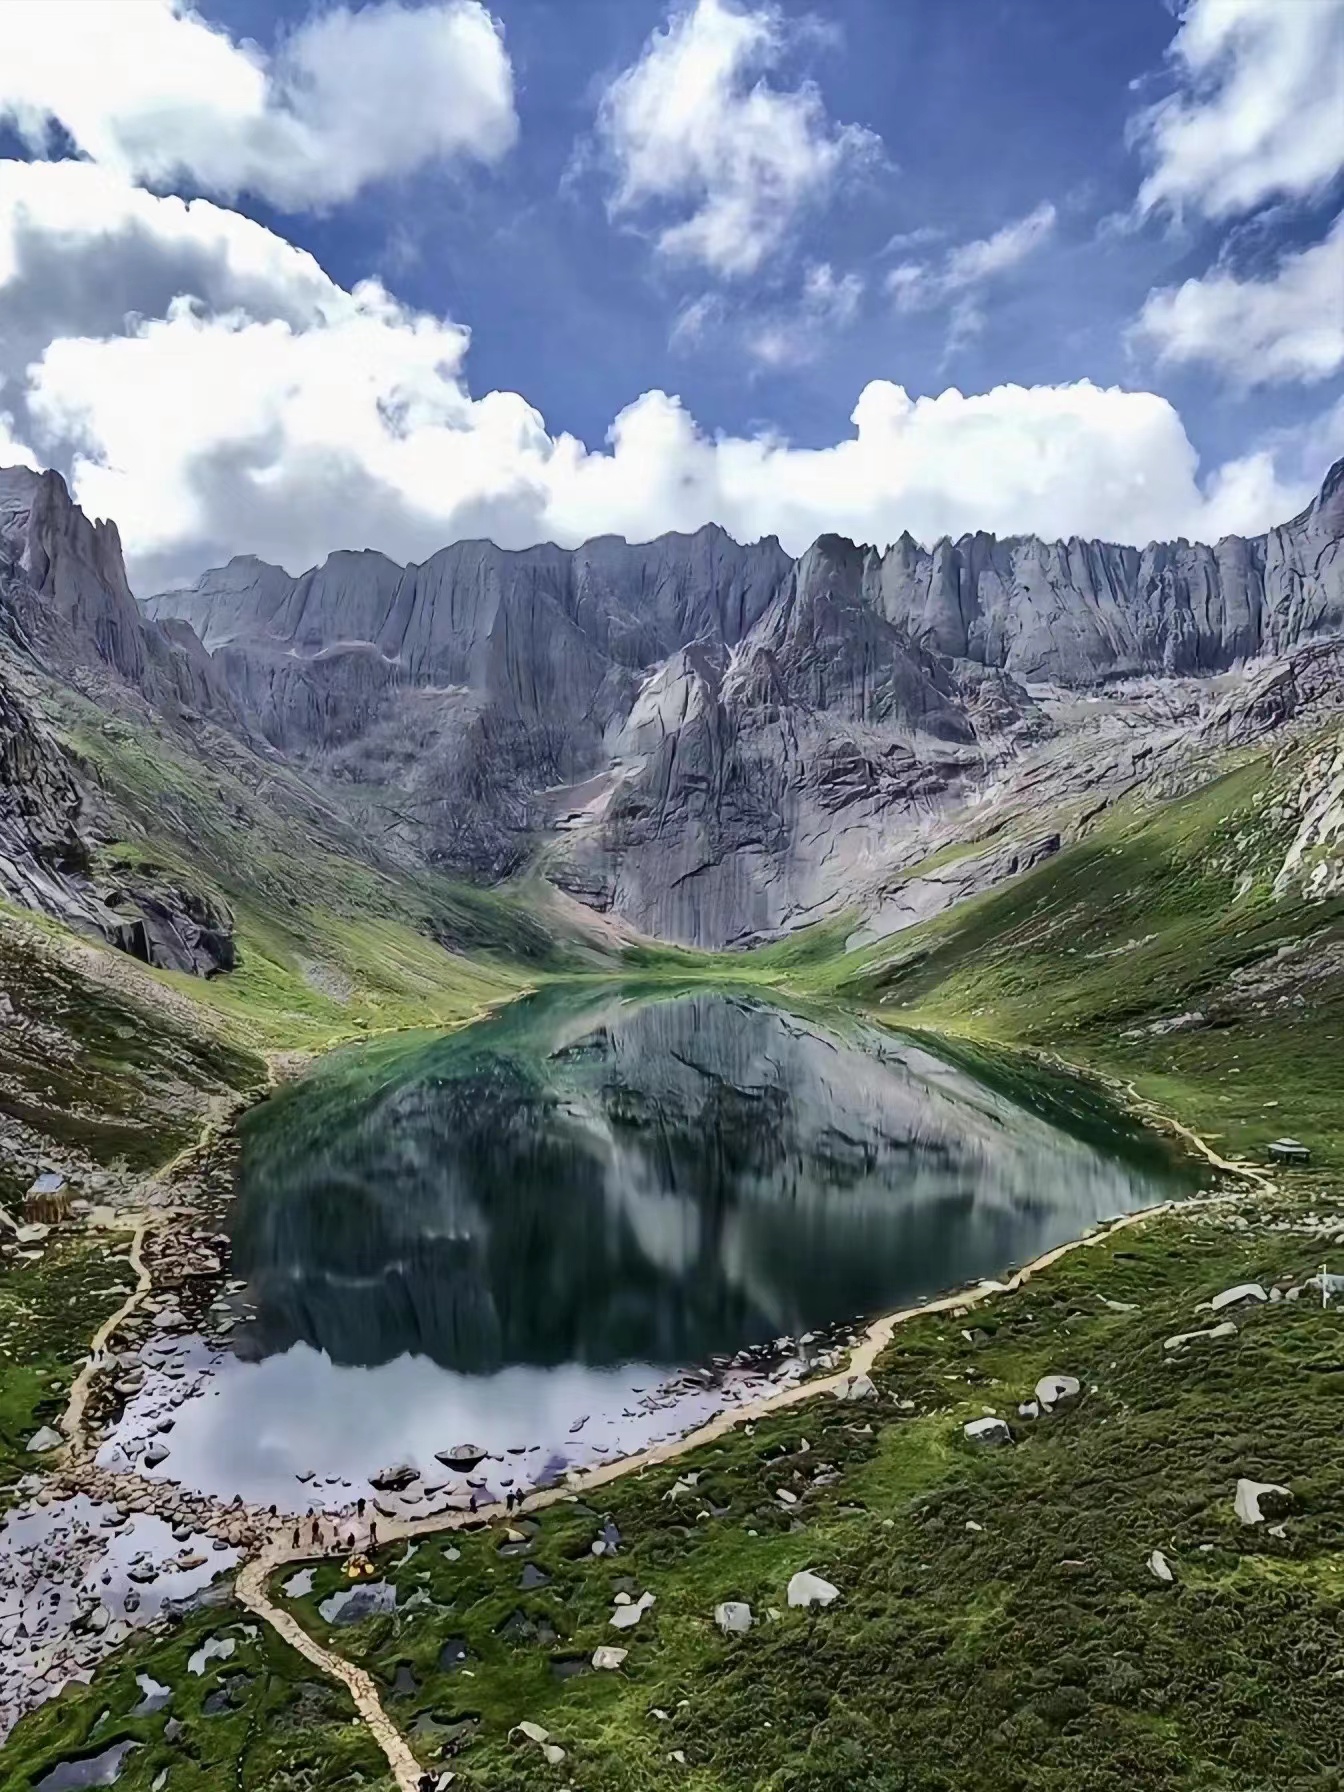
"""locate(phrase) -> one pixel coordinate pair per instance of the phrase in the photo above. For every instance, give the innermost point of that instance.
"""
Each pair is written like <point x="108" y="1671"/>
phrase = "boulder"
<point x="856" y="1387"/>
<point x="43" y="1440"/>
<point x="807" y="1589"/>
<point x="394" y="1479"/>
<point x="733" y="1617"/>
<point x="1179" y="1342"/>
<point x="1052" y="1389"/>
<point x="625" y="1617"/>
<point x="1159" y="1567"/>
<point x="1256" y="1501"/>
<point x="1242" y="1295"/>
<point x="607" y="1659"/>
<point x="987" y="1431"/>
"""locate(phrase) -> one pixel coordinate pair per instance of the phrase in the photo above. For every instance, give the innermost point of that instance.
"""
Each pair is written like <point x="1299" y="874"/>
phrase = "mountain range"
<point x="701" y="741"/>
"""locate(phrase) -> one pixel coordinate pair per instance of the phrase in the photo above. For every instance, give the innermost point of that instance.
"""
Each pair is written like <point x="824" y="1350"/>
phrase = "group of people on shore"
<point x="514" y="1501"/>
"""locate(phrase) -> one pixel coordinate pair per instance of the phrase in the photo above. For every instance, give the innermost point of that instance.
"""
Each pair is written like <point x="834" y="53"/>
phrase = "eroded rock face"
<point x="1083" y="612"/>
<point x="64" y="594"/>
<point x="727" y="742"/>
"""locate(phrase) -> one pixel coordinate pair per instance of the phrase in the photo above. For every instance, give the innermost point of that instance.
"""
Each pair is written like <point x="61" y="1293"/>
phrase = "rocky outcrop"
<point x="44" y="859"/>
<point x="1084" y="612"/>
<point x="64" y="597"/>
<point x="729" y="741"/>
<point x="66" y="612"/>
<point x="164" y="923"/>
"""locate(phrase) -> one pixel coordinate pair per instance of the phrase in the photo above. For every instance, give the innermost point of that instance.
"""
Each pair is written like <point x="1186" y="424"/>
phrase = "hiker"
<point x="296" y="1536"/>
<point x="473" y="1502"/>
<point x="317" y="1531"/>
<point x="373" y="1535"/>
<point x="359" y="1508"/>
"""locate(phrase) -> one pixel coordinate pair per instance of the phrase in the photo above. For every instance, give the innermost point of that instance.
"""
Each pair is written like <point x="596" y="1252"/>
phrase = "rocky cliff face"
<point x="1083" y="612"/>
<point x="64" y="595"/>
<point x="66" y="612"/>
<point x="719" y="741"/>
<point x="711" y="740"/>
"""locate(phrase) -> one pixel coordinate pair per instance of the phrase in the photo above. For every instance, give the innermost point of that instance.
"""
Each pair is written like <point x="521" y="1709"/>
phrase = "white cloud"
<point x="13" y="453"/>
<point x="971" y="263"/>
<point x="148" y="89"/>
<point x="958" y="280"/>
<point x="1287" y="326"/>
<point x="695" y="319"/>
<point x="829" y="303"/>
<point x="263" y="408"/>
<point x="1257" y="113"/>
<point x="695" y="127"/>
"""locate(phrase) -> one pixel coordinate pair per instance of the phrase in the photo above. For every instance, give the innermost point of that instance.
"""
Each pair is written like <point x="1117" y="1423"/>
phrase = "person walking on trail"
<point x="373" y="1535"/>
<point x="317" y="1531"/>
<point x="296" y="1536"/>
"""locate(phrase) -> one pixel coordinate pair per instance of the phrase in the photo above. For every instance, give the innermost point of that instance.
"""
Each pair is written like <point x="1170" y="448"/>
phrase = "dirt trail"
<point x="72" y="1419"/>
<point x="250" y="1587"/>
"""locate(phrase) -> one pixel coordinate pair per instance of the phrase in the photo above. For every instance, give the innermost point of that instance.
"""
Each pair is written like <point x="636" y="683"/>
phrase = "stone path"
<point x="72" y="1420"/>
<point x="250" y="1586"/>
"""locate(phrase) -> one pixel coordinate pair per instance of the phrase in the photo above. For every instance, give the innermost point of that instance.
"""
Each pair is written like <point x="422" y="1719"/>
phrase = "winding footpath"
<point x="277" y="1549"/>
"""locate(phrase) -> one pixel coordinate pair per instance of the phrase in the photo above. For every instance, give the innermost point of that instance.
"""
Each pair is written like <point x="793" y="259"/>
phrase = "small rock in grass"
<point x="1256" y="1501"/>
<point x="987" y="1431"/>
<point x="1029" y="1409"/>
<point x="43" y="1440"/>
<point x="1159" y="1567"/>
<point x="606" y="1659"/>
<point x="733" y="1617"/>
<point x="1226" y="1330"/>
<point x="807" y="1589"/>
<point x="1239" y="1296"/>
<point x="856" y="1387"/>
<point x="532" y="1732"/>
<point x="1052" y="1389"/>
<point x="553" y="1753"/>
<point x="625" y="1617"/>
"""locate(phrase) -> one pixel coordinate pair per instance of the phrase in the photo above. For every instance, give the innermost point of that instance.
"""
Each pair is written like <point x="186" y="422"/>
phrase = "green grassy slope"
<point x="1166" y="913"/>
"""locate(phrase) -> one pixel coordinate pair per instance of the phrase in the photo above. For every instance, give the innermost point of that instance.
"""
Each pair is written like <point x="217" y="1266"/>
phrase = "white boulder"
<point x="807" y="1589"/>
<point x="1251" y="1493"/>
<point x="1241" y="1295"/>
<point x="733" y="1617"/>
<point x="987" y="1431"/>
<point x="1052" y="1389"/>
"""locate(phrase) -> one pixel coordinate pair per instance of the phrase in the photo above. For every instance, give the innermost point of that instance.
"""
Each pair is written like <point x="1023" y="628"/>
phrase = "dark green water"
<point x="487" y="1236"/>
<point x="597" y="1178"/>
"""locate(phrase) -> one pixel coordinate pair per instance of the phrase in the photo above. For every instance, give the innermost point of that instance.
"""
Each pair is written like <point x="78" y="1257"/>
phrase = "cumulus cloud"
<point x="694" y="128"/>
<point x="1288" y="325"/>
<point x="261" y="407"/>
<point x="13" y="453"/>
<point x="1256" y="113"/>
<point x="148" y="89"/>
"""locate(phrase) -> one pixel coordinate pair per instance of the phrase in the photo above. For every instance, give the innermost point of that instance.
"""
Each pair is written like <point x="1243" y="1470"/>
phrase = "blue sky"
<point x="1039" y="195"/>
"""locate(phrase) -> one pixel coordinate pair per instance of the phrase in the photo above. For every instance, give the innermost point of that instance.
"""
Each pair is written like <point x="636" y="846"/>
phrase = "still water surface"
<point x="518" y="1234"/>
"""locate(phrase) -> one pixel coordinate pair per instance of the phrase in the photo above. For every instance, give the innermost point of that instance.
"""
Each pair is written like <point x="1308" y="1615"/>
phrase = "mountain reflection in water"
<point x="617" y="1177"/>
